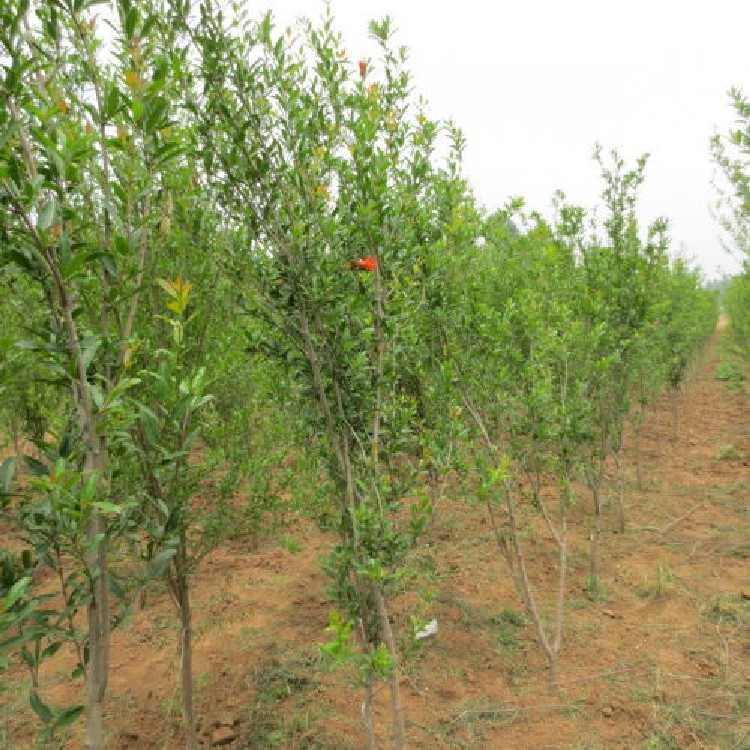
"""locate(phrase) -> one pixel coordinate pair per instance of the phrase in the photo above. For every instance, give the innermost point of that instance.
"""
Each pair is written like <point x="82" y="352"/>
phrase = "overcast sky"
<point x="535" y="84"/>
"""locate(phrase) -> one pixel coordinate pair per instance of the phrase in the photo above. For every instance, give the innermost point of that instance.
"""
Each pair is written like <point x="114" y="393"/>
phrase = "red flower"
<point x="370" y="263"/>
<point x="362" y="68"/>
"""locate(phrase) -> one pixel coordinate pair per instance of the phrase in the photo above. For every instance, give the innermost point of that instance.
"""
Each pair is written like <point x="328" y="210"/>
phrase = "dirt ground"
<point x="661" y="661"/>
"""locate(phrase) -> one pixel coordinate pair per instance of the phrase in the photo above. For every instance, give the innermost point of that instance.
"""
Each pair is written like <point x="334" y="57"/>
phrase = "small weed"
<point x="640" y="694"/>
<point x="659" y="742"/>
<point x="282" y="715"/>
<point x="728" y="452"/>
<point x="290" y="544"/>
<point x="507" y="627"/>
<point x="729" y="371"/>
<point x="742" y="704"/>
<point x="247" y="637"/>
<point x="596" y="590"/>
<point x="474" y="716"/>
<point x="731" y="611"/>
<point x="575" y="709"/>
<point x="578" y="603"/>
<point x="677" y="726"/>
<point x="739" y="550"/>
<point x="660" y="585"/>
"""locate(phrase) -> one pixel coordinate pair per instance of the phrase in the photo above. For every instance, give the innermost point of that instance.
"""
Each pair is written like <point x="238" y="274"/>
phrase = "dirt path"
<point x="662" y="662"/>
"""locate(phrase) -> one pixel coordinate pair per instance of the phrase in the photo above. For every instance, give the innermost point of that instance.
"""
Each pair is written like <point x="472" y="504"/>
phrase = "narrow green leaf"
<point x="17" y="590"/>
<point x="40" y="709"/>
<point x="68" y="716"/>
<point x="36" y="467"/>
<point x="51" y="650"/>
<point x="105" y="507"/>
<point x="46" y="215"/>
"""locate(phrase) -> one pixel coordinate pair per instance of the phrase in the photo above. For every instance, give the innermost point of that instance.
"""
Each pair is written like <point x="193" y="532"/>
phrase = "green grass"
<point x="507" y="627"/>
<point x="659" y="585"/>
<point x="284" y="713"/>
<point x="728" y="452"/>
<point x="730" y="371"/>
<point x="675" y="724"/>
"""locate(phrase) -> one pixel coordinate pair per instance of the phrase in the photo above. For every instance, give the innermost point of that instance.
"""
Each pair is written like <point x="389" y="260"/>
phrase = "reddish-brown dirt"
<point x="662" y="661"/>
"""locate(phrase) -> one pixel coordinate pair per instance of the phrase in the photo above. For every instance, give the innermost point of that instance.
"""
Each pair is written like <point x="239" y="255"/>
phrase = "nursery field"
<point x="303" y="446"/>
<point x="661" y="660"/>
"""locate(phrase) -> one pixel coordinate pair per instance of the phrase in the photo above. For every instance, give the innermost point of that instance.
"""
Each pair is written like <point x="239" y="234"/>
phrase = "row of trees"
<point x="732" y="155"/>
<point x="219" y="241"/>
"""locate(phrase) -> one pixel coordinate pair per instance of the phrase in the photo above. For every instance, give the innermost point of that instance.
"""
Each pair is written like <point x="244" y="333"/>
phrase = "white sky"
<point x="534" y="84"/>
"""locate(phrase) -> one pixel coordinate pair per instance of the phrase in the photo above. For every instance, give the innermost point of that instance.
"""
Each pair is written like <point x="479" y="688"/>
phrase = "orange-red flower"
<point x="362" y="68"/>
<point x="370" y="263"/>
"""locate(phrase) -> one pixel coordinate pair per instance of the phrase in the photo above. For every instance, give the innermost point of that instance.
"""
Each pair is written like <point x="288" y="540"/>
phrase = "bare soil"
<point x="661" y="661"/>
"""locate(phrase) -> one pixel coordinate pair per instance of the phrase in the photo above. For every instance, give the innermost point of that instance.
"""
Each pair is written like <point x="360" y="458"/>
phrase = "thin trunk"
<point x="517" y="563"/>
<point x="553" y="658"/>
<point x="96" y="536"/>
<point x="397" y="711"/>
<point x="135" y="301"/>
<point x="379" y="364"/>
<point x="364" y="644"/>
<point x="657" y="431"/>
<point x="179" y="588"/>
<point x="367" y="716"/>
<point x="638" y="453"/>
<point x="528" y="596"/>
<point x="561" y="577"/>
<point x="502" y="543"/>
<point x="98" y="622"/>
<point x="71" y="628"/>
<point x="186" y="664"/>
<point x="594" y="542"/>
<point x="621" y="513"/>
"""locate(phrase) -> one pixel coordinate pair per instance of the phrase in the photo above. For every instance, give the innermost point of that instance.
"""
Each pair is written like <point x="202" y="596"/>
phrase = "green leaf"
<point x="155" y="115"/>
<point x="68" y="716"/>
<point x="36" y="467"/>
<point x="26" y="263"/>
<point x="91" y="347"/>
<point x="51" y="650"/>
<point x="28" y="658"/>
<point x="110" y="265"/>
<point x="40" y="709"/>
<point x="105" y="507"/>
<point x="13" y="643"/>
<point x="96" y="395"/>
<point x="17" y="590"/>
<point x="160" y="562"/>
<point x="112" y="103"/>
<point x="46" y="215"/>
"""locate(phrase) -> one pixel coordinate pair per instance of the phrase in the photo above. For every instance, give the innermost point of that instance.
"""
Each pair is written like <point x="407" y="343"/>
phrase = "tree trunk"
<point x="397" y="711"/>
<point x="99" y="629"/>
<point x="186" y="652"/>
<point x="553" y="685"/>
<point x="96" y="463"/>
<point x="594" y="542"/>
<point x="621" y="513"/>
<point x="367" y="716"/>
<point x="638" y="457"/>
<point x="186" y="674"/>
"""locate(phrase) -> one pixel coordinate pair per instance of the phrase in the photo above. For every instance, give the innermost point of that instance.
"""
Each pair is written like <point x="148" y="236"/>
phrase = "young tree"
<point x="330" y="185"/>
<point x="87" y="142"/>
<point x="732" y="154"/>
